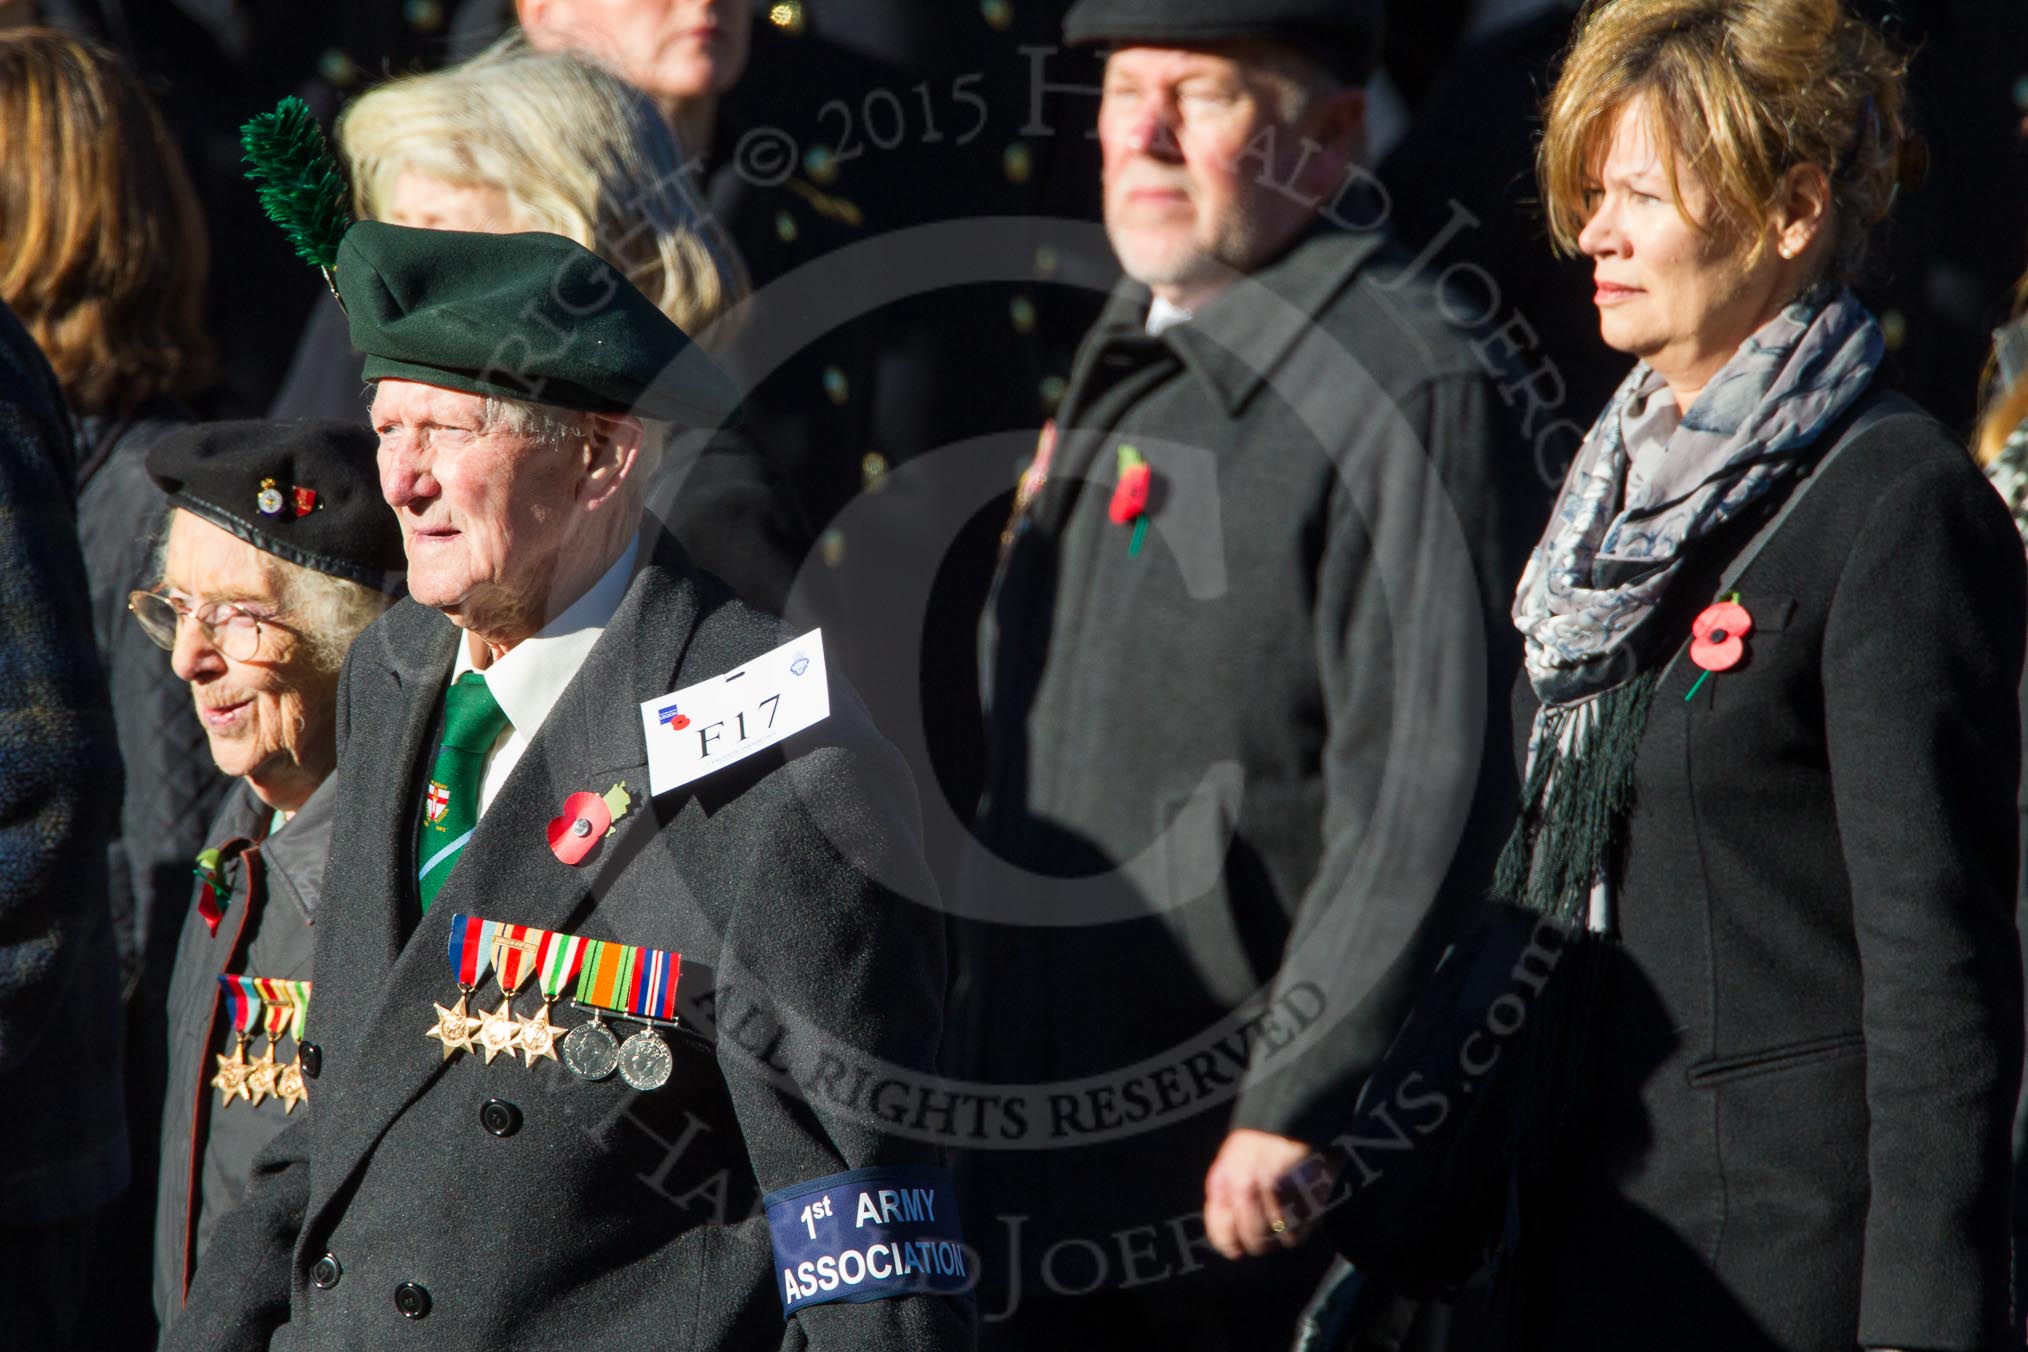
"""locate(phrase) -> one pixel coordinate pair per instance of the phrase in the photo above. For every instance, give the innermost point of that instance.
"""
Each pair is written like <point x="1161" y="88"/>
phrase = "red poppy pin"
<point x="1129" y="506"/>
<point x="1718" y="638"/>
<point x="587" y="818"/>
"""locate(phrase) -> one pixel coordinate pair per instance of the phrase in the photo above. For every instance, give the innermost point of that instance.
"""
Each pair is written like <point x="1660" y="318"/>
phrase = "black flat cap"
<point x="307" y="492"/>
<point x="1342" y="35"/>
<point x="530" y="316"/>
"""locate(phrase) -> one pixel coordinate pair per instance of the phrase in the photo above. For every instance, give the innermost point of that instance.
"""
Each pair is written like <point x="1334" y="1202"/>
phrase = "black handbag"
<point x="1463" y="1096"/>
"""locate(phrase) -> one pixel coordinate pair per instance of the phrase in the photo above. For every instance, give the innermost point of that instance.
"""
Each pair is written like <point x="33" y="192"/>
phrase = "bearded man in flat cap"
<point x="1242" y="662"/>
<point x="690" y="929"/>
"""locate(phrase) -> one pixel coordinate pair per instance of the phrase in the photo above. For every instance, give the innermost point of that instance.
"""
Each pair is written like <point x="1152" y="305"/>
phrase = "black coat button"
<point x="312" y="1058"/>
<point x="500" y="1117"/>
<point x="325" y="1272"/>
<point x="412" y="1300"/>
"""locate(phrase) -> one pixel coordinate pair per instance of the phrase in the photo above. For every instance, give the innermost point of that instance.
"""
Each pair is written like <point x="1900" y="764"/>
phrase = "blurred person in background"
<point x="516" y="139"/>
<point x="2001" y="446"/>
<point x="1777" y="613"/>
<point x="63" y="1140"/>
<point x="106" y="267"/>
<point x="278" y="551"/>
<point x="1266" y="547"/>
<point x="684" y="55"/>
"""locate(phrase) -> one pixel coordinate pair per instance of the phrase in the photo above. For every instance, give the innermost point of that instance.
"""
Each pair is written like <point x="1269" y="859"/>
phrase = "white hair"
<point x="558" y="429"/>
<point x="325" y="612"/>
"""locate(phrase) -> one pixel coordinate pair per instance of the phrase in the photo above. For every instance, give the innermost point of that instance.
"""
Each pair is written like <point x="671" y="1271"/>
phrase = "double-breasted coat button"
<point x="500" y="1117"/>
<point x="311" y="1056"/>
<point x="412" y="1300"/>
<point x="325" y="1272"/>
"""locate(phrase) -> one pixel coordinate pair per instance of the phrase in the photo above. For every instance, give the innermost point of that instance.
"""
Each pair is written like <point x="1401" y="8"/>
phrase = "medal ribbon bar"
<point x="471" y="949"/>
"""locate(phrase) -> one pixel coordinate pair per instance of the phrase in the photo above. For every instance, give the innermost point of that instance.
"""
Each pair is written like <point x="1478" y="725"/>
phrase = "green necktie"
<point x="450" y="808"/>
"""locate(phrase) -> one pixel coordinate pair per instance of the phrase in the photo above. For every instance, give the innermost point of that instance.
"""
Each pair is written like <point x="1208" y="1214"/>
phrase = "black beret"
<point x="1342" y="35"/>
<point x="535" y="317"/>
<point x="308" y="492"/>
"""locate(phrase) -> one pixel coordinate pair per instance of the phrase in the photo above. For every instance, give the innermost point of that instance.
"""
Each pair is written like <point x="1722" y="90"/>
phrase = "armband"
<point x="868" y="1234"/>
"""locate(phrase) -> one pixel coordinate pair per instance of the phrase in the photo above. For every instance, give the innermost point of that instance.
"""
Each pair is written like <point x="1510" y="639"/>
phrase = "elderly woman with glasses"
<point x="279" y="551"/>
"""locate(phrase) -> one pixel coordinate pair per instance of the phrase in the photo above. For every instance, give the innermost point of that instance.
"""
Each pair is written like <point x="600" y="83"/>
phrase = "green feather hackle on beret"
<point x="302" y="189"/>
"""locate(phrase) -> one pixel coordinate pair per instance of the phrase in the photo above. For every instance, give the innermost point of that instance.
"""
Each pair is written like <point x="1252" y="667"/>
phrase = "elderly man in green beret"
<point x="601" y="941"/>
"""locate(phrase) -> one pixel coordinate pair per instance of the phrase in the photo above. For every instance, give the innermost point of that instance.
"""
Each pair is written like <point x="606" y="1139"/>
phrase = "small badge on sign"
<point x="704" y="727"/>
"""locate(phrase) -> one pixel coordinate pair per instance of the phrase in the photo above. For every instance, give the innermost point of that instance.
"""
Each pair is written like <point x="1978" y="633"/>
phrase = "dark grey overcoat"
<point x="467" y="1205"/>
<point x="1810" y="1038"/>
<point x="208" y="1149"/>
<point x="1232" y="773"/>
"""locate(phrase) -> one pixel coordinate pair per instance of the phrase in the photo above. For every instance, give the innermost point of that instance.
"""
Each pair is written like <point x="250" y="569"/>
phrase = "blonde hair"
<point x="105" y="256"/>
<point x="2006" y="406"/>
<point x="1742" y="91"/>
<point x="577" y="152"/>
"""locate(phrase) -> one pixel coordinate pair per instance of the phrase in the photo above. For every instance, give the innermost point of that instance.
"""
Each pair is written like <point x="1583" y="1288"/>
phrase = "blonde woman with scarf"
<point x="1773" y="632"/>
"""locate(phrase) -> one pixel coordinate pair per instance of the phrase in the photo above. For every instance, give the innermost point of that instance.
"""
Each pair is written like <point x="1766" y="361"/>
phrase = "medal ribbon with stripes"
<point x="289" y="1085"/>
<point x="274" y="1019"/>
<point x="556" y="964"/>
<point x="471" y="954"/>
<point x="242" y="1008"/>
<point x="514" y="949"/>
<point x="654" y="989"/>
<point x="601" y="980"/>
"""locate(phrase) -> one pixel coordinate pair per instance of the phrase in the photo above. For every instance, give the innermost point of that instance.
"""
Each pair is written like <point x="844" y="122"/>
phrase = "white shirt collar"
<point x="1163" y="316"/>
<point x="531" y="676"/>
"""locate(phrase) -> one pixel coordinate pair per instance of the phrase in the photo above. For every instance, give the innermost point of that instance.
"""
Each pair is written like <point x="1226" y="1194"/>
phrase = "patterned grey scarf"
<point x="1612" y="549"/>
<point x="1608" y="557"/>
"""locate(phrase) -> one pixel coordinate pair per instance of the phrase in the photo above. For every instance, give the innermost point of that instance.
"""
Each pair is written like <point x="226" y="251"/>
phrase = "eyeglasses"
<point x="228" y="627"/>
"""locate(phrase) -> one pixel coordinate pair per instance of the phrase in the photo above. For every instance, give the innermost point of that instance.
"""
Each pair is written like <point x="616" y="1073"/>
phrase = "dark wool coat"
<point x="567" y="1213"/>
<point x="1811" y="1035"/>
<point x="63" y="1147"/>
<point x="207" y="1151"/>
<point x="1231" y="772"/>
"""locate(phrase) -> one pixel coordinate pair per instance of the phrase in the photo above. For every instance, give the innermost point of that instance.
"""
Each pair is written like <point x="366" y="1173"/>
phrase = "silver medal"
<point x="645" y="1061"/>
<point x="591" y="1051"/>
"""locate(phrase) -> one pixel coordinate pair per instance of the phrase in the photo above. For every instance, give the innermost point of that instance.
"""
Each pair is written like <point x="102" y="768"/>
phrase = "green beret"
<point x="1341" y="35"/>
<point x="307" y="491"/>
<point x="534" y="317"/>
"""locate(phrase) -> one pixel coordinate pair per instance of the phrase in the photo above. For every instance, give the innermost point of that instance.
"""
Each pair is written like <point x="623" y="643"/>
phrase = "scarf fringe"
<point x="1580" y="784"/>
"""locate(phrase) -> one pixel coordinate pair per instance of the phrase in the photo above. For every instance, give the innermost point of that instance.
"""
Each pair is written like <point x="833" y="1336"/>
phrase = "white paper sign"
<point x="705" y="727"/>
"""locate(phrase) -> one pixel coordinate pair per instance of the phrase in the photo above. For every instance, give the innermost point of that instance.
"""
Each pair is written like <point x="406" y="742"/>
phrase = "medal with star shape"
<point x="499" y="1030"/>
<point x="289" y="1086"/>
<point x="230" y="1081"/>
<point x="260" y="1077"/>
<point x="455" y="1027"/>
<point x="516" y="949"/>
<point x="557" y="958"/>
<point x="538" y="1035"/>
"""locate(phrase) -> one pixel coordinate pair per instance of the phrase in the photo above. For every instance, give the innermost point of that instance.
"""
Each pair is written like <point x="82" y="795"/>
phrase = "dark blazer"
<point x="1811" y="1033"/>
<point x="586" y="1214"/>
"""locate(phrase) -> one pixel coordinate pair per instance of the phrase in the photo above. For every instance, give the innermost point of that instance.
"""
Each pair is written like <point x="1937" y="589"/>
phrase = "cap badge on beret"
<point x="300" y="502"/>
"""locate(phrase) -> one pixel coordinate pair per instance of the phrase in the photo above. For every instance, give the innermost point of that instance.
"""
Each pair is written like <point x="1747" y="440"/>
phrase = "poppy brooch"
<point x="1129" y="506"/>
<point x="1718" y="638"/>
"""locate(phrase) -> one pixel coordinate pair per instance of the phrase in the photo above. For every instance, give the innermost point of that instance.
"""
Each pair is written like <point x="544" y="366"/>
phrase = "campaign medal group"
<point x="633" y="983"/>
<point x="259" y="1004"/>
